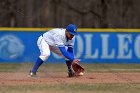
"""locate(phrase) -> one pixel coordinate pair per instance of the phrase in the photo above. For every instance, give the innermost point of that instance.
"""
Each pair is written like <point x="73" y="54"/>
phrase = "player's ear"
<point x="67" y="32"/>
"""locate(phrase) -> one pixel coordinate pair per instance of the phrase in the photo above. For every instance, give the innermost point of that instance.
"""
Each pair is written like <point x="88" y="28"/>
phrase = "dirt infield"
<point x="7" y="78"/>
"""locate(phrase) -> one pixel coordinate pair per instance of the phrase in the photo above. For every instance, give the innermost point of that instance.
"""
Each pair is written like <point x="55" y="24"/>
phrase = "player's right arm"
<point x="59" y="41"/>
<point x="65" y="53"/>
<point x="68" y="55"/>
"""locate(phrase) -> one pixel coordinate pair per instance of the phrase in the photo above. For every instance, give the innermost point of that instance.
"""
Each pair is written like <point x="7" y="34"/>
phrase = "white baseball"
<point x="81" y="74"/>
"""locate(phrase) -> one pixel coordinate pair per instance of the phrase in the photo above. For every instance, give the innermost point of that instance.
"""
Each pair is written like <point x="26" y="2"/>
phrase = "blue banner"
<point x="108" y="47"/>
<point x="90" y="47"/>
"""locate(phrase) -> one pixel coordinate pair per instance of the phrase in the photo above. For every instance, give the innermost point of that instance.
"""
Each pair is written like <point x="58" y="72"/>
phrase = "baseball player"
<point x="59" y="41"/>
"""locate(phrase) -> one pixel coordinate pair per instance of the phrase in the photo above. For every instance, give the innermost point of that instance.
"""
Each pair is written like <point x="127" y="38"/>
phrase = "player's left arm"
<point x="66" y="53"/>
<point x="71" y="50"/>
<point x="71" y="46"/>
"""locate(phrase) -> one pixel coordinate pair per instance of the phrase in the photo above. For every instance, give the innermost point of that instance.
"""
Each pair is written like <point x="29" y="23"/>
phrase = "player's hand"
<point x="75" y="61"/>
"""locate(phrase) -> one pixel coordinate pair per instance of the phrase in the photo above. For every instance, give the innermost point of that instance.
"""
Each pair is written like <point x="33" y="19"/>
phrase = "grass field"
<point x="53" y="79"/>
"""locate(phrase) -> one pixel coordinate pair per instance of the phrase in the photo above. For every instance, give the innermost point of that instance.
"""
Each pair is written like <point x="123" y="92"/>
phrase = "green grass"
<point x="7" y="67"/>
<point x="112" y="67"/>
<point x="72" y="88"/>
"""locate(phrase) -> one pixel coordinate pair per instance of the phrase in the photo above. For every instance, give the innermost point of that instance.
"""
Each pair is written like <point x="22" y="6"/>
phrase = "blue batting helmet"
<point x="72" y="29"/>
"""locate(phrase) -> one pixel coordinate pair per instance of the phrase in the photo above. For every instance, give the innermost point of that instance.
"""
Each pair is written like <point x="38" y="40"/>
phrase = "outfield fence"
<point x="91" y="46"/>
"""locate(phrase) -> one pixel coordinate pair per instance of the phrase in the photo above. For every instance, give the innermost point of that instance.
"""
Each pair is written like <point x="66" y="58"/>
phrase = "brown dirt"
<point x="7" y="78"/>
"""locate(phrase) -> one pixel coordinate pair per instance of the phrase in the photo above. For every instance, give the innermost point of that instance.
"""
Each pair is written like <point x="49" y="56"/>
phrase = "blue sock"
<point x="37" y="65"/>
<point x="68" y="63"/>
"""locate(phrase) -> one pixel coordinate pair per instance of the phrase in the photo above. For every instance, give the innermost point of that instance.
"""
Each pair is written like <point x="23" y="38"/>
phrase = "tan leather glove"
<point x="77" y="68"/>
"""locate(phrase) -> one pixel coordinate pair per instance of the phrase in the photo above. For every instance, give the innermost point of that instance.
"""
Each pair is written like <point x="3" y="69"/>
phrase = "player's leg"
<point x="45" y="53"/>
<point x="68" y="62"/>
<point x="70" y="70"/>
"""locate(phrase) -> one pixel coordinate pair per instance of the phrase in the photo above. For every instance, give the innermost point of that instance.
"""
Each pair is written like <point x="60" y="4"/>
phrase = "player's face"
<point x="69" y="36"/>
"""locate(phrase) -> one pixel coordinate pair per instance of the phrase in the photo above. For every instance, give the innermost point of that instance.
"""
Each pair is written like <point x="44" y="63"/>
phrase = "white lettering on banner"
<point x="137" y="46"/>
<point x="89" y="43"/>
<point x="105" y="47"/>
<point x="80" y="46"/>
<point x="126" y="46"/>
<point x="124" y="41"/>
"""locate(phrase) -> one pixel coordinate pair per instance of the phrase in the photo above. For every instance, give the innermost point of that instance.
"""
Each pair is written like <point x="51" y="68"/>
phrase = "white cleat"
<point x="31" y="74"/>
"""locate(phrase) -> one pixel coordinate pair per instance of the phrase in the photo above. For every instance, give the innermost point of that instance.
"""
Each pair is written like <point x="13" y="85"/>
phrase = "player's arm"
<point x="70" y="46"/>
<point x="70" y="50"/>
<point x="68" y="55"/>
<point x="59" y="43"/>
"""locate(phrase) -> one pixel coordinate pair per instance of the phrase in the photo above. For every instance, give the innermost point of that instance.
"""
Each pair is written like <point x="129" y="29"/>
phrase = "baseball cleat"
<point x="32" y="74"/>
<point x="71" y="74"/>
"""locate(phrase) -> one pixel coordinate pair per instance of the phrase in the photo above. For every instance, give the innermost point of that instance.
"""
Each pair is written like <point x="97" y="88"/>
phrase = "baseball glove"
<point x="78" y="69"/>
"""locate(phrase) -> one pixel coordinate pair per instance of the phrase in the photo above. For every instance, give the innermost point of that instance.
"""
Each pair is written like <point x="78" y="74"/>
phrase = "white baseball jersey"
<point x="57" y="37"/>
<point x="51" y="40"/>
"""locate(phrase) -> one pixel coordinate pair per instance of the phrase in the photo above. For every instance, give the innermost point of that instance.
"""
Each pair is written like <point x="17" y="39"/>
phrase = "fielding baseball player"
<point x="59" y="41"/>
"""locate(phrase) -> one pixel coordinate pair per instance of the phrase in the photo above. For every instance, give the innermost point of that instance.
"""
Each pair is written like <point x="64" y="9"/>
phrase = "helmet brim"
<point x="74" y="33"/>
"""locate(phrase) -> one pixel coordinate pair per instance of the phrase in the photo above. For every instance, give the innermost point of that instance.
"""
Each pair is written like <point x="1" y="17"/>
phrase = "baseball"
<point x="81" y="74"/>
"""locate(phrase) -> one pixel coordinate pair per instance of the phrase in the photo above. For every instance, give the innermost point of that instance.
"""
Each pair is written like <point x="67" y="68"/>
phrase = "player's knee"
<point x="44" y="57"/>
